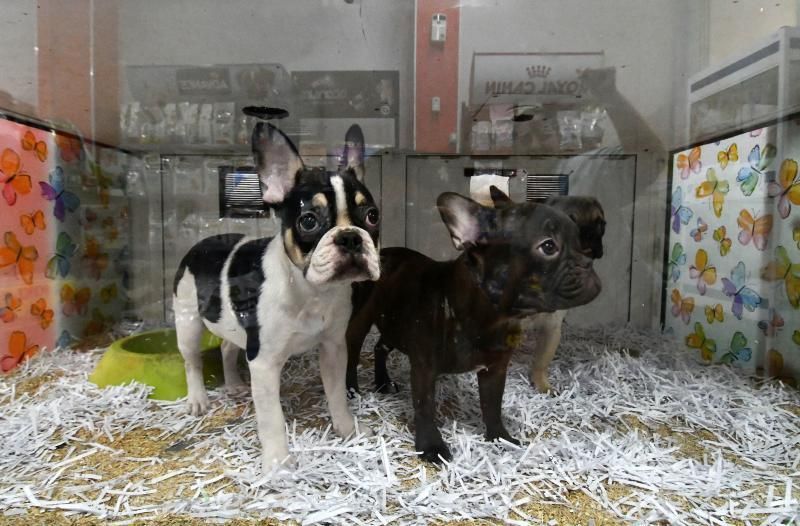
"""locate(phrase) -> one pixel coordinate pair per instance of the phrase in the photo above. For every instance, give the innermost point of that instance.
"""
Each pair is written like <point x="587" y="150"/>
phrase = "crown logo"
<point x="538" y="71"/>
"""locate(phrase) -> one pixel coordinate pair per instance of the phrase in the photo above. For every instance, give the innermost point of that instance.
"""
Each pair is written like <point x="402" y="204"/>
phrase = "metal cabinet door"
<point x="426" y="178"/>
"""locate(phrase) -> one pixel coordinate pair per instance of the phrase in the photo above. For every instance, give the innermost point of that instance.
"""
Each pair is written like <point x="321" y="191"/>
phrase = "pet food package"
<point x="502" y="126"/>
<point x="124" y="116"/>
<point x="223" y="122"/>
<point x="170" y="123"/>
<point x="188" y="116"/>
<point x="591" y="129"/>
<point x="503" y="134"/>
<point x="148" y="131"/>
<point x="158" y="124"/>
<point x="481" y="136"/>
<point x="569" y="129"/>
<point x="204" y="129"/>
<point x="185" y="123"/>
<point x="244" y="129"/>
<point x="132" y="130"/>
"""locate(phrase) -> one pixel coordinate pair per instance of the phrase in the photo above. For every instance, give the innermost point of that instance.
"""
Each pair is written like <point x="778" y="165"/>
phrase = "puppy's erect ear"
<point x="353" y="157"/>
<point x="277" y="162"/>
<point x="499" y="198"/>
<point x="469" y="223"/>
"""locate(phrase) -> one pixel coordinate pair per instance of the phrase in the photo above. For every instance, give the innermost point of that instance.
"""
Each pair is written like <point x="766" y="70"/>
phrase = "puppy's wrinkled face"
<point x="330" y="227"/>
<point x="526" y="256"/>
<point x="547" y="268"/>
<point x="589" y="216"/>
<point x="330" y="223"/>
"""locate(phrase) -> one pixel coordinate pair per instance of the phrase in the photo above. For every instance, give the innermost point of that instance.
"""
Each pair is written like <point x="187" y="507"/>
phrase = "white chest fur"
<point x="293" y="315"/>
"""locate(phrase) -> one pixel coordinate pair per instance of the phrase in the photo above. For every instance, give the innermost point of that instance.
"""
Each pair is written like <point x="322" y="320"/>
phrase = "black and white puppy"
<point x="588" y="214"/>
<point x="276" y="297"/>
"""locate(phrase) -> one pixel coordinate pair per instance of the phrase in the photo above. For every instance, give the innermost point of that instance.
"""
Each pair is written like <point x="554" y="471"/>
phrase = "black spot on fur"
<point x="205" y="261"/>
<point x="310" y="182"/>
<point x="245" y="278"/>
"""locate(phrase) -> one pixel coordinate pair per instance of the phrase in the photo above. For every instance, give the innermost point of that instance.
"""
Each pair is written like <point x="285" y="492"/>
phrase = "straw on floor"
<point x="639" y="430"/>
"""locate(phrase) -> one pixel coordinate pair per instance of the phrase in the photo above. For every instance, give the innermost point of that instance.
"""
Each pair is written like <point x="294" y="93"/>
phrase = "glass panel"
<point x="139" y="127"/>
<point x="187" y="179"/>
<point x="737" y="107"/>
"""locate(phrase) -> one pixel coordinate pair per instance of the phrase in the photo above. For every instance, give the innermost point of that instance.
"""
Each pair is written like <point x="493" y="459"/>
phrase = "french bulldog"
<point x="275" y="297"/>
<point x="588" y="214"/>
<point x="463" y="315"/>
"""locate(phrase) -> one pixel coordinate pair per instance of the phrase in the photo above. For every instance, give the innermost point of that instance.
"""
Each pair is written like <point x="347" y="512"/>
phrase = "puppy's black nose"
<point x="348" y="241"/>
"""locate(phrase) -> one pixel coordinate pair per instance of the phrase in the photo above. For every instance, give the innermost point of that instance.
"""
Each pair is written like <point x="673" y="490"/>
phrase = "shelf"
<point x="188" y="149"/>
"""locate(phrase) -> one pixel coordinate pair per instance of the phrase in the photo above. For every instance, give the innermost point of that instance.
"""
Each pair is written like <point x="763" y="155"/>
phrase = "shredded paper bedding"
<point x="637" y="426"/>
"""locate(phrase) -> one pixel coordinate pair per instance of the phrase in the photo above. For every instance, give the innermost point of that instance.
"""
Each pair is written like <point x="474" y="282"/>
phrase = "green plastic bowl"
<point x="152" y="358"/>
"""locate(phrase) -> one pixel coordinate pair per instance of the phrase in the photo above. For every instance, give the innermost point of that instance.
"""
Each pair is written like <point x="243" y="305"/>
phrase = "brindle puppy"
<point x="463" y="315"/>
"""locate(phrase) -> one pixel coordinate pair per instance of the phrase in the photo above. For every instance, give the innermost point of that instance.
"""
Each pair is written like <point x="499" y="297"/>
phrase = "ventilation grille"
<point x="541" y="186"/>
<point x="240" y="193"/>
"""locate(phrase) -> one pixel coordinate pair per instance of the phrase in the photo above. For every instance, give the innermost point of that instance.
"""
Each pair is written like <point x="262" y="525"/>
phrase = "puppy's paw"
<point x="235" y="389"/>
<point x="500" y="432"/>
<point x="197" y="403"/>
<point x="503" y="436"/>
<point x="351" y="427"/>
<point x="388" y="388"/>
<point x="436" y="453"/>
<point x="364" y="429"/>
<point x="541" y="384"/>
<point x="344" y="428"/>
<point x="279" y="460"/>
<point x="552" y="391"/>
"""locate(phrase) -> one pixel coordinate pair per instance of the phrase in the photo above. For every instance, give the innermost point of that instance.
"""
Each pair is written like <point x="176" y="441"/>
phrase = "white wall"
<point x="735" y="26"/>
<point x="655" y="43"/>
<point x="301" y="35"/>
<point x="650" y="42"/>
<point x="17" y="56"/>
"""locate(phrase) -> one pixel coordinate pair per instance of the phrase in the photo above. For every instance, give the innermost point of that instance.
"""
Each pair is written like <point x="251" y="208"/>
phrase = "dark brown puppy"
<point x="584" y="210"/>
<point x="589" y="216"/>
<point x="463" y="315"/>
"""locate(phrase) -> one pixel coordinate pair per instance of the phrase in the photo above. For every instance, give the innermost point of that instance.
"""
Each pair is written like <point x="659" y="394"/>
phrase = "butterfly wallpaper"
<point x="732" y="269"/>
<point x="54" y="268"/>
<point x="27" y="319"/>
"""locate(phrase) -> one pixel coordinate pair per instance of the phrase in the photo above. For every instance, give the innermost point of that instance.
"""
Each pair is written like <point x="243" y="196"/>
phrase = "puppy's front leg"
<point x="265" y="380"/>
<point x="230" y="368"/>
<point x="189" y="330"/>
<point x="491" y="384"/>
<point x="548" y="336"/>
<point x="428" y="440"/>
<point x="357" y="330"/>
<point x="333" y="368"/>
<point x="383" y="383"/>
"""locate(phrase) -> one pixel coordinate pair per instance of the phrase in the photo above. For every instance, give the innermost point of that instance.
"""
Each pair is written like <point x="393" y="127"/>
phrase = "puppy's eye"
<point x="548" y="247"/>
<point x="372" y="217"/>
<point x="308" y="222"/>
